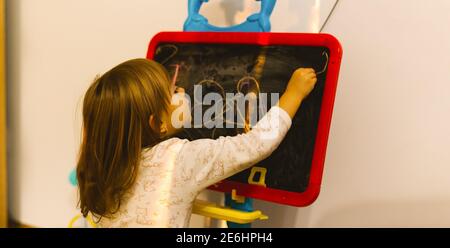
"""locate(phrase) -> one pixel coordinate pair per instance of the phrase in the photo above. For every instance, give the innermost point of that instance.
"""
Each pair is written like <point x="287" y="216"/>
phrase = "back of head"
<point x="116" y="112"/>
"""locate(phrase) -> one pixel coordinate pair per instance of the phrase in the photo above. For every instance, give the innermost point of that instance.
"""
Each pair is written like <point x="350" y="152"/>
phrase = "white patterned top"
<point x="175" y="171"/>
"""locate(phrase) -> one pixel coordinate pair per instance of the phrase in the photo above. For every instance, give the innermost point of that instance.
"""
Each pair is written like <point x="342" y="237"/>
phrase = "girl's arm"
<point x="206" y="161"/>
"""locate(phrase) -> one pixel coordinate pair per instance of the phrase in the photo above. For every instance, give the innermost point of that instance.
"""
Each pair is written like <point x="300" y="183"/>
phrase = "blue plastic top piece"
<point x="259" y="22"/>
<point x="73" y="178"/>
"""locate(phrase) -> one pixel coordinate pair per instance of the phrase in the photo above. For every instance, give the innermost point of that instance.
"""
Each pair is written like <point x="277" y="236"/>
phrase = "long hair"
<point x="116" y="112"/>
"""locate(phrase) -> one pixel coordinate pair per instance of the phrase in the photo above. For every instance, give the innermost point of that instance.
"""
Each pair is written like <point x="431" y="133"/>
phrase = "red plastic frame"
<point x="323" y="40"/>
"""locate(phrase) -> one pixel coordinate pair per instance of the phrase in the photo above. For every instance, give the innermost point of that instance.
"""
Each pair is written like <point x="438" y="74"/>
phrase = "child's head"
<point x="124" y="111"/>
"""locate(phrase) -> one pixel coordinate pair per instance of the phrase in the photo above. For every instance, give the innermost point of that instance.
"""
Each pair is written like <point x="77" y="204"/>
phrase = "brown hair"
<point x="116" y="112"/>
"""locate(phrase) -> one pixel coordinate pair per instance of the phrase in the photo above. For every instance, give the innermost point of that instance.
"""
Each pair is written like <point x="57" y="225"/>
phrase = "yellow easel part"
<point x="262" y="178"/>
<point x="211" y="210"/>
<point x="237" y="198"/>
<point x="88" y="218"/>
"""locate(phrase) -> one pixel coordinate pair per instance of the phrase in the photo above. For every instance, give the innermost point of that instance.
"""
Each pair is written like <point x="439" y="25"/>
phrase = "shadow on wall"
<point x="231" y="7"/>
<point x="282" y="216"/>
<point x="310" y="14"/>
<point x="14" y="94"/>
<point x="399" y="213"/>
<point x="229" y="12"/>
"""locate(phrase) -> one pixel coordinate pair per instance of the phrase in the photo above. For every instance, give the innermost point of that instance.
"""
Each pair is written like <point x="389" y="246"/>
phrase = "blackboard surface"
<point x="222" y="67"/>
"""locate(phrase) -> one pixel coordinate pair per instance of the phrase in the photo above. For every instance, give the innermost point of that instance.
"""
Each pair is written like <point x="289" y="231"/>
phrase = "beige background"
<point x="387" y="164"/>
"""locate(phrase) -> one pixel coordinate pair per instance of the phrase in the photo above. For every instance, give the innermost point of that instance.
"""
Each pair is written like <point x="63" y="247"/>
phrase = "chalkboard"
<point x="223" y="65"/>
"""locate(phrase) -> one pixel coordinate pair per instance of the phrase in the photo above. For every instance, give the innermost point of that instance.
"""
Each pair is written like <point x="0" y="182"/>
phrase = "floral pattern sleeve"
<point x="205" y="162"/>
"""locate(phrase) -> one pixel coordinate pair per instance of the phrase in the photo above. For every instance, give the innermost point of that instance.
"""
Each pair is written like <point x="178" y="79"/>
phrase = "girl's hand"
<point x="302" y="82"/>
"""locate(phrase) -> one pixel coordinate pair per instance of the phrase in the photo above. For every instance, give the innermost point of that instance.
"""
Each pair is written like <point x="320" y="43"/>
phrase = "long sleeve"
<point x="205" y="162"/>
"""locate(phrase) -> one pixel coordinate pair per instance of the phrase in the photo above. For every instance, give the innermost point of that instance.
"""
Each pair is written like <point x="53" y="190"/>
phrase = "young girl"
<point x="132" y="174"/>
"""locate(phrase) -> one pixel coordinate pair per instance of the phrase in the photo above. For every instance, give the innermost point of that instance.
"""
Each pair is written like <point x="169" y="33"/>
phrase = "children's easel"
<point x="239" y="212"/>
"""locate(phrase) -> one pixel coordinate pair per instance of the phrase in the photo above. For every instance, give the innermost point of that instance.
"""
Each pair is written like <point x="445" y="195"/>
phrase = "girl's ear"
<point x="152" y="124"/>
<point x="161" y="129"/>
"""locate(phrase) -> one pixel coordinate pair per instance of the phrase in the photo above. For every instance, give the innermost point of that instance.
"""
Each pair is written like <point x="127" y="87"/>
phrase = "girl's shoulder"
<point x="169" y="145"/>
<point x="158" y="155"/>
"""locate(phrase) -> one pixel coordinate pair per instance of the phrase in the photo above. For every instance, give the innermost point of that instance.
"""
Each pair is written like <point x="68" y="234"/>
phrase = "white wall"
<point x="387" y="162"/>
